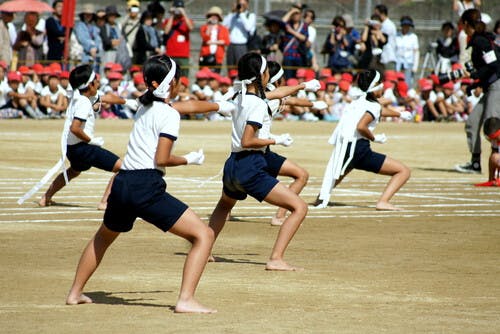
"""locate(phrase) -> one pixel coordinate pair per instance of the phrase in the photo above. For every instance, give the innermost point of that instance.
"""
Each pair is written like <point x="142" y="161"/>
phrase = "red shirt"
<point x="178" y="45"/>
<point x="222" y="34"/>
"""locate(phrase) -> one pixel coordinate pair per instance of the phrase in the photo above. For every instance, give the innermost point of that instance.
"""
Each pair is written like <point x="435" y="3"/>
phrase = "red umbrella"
<point x="25" y="6"/>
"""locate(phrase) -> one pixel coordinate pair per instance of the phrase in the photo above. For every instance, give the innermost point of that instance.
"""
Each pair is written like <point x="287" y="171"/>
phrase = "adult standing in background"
<point x="388" y="57"/>
<point x="110" y="35"/>
<point x="130" y="23"/>
<point x="88" y="36"/>
<point x="486" y="61"/>
<point x="460" y="6"/>
<point x="35" y="27"/>
<point x="55" y="33"/>
<point x="215" y="38"/>
<point x="176" y="34"/>
<point x="407" y="50"/>
<point x="294" y="44"/>
<point x="309" y="18"/>
<point x="147" y="41"/>
<point x="5" y="50"/>
<point x="241" y="24"/>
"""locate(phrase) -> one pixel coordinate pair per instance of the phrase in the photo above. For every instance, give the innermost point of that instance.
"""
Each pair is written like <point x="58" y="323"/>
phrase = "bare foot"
<point x="45" y="202"/>
<point x="275" y="221"/>
<point x="281" y="265"/>
<point x="192" y="306"/>
<point x="75" y="300"/>
<point x="385" y="206"/>
<point x="211" y="258"/>
<point x="102" y="206"/>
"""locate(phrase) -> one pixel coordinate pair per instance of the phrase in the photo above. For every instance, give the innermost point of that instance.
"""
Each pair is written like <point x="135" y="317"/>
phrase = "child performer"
<point x="491" y="130"/>
<point x="245" y="170"/>
<point x="277" y="164"/>
<point x="139" y="189"/>
<point x="78" y="143"/>
<point x="352" y="138"/>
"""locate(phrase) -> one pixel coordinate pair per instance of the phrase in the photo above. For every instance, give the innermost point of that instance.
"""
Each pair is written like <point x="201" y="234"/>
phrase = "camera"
<point x="456" y="74"/>
<point x="300" y="6"/>
<point x="178" y="3"/>
<point x="373" y="23"/>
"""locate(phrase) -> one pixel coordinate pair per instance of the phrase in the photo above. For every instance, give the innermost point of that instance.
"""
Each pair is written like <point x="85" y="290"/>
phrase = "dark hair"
<point x="447" y="25"/>
<point x="376" y="17"/>
<point x="382" y="9"/>
<point x="54" y="4"/>
<point x="156" y="69"/>
<point x="473" y="18"/>
<point x="365" y="78"/>
<point x="146" y="15"/>
<point x="491" y="125"/>
<point x="338" y="20"/>
<point x="274" y="68"/>
<point x="313" y="13"/>
<point x="249" y="67"/>
<point x="497" y="25"/>
<point x="79" y="76"/>
<point x="156" y="7"/>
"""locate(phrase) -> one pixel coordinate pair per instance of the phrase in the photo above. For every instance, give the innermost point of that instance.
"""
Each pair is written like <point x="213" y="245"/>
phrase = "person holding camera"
<point x="371" y="44"/>
<point x="215" y="38"/>
<point x="176" y="36"/>
<point x="485" y="57"/>
<point x="242" y="26"/>
<point x="336" y="46"/>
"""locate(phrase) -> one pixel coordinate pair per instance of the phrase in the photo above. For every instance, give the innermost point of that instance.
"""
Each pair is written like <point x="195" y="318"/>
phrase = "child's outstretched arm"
<point x="164" y="158"/>
<point x="203" y="107"/>
<point x="284" y="91"/>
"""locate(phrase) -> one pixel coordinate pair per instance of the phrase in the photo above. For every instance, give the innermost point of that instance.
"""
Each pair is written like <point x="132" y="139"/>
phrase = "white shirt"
<point x="152" y="122"/>
<point x="80" y="108"/>
<point x="406" y="48"/>
<point x="352" y="115"/>
<point x="254" y="111"/>
<point x="53" y="96"/>
<point x="473" y="99"/>
<point x="12" y="33"/>
<point x="4" y="89"/>
<point x="389" y="51"/>
<point x="240" y="26"/>
<point x="432" y="96"/>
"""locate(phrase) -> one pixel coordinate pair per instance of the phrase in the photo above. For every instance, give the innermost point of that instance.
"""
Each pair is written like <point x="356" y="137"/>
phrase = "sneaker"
<point x="309" y="117"/>
<point x="469" y="167"/>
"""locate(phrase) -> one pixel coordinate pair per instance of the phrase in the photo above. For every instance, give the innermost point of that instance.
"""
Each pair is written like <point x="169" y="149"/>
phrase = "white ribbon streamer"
<point x="163" y="90"/>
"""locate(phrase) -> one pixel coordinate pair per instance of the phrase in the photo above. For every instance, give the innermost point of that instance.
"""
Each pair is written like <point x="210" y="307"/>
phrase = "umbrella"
<point x="274" y="15"/>
<point x="25" y="6"/>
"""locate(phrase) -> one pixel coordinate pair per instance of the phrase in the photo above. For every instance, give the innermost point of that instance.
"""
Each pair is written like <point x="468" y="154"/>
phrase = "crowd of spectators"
<point x="119" y="44"/>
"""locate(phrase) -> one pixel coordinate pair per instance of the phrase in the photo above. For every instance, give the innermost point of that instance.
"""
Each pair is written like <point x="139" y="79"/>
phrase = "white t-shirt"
<point x="406" y="46"/>
<point x="240" y="26"/>
<point x="473" y="99"/>
<point x="152" y="122"/>
<point x="432" y="96"/>
<point x="4" y="89"/>
<point x="352" y="115"/>
<point x="254" y="112"/>
<point x="80" y="108"/>
<point x="53" y="96"/>
<point x="389" y="50"/>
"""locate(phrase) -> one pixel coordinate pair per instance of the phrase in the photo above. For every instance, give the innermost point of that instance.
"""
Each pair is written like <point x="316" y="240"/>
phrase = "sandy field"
<point x="433" y="268"/>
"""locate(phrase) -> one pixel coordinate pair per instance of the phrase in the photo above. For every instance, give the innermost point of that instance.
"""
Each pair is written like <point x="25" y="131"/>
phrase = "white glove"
<point x="97" y="141"/>
<point x="319" y="105"/>
<point x="225" y="107"/>
<point x="132" y="104"/>
<point x="380" y="138"/>
<point x="312" y="85"/>
<point x="284" y="139"/>
<point x="406" y="115"/>
<point x="195" y="158"/>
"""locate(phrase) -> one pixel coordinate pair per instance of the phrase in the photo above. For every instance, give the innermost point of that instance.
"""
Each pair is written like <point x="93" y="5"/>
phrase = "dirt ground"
<point x="433" y="268"/>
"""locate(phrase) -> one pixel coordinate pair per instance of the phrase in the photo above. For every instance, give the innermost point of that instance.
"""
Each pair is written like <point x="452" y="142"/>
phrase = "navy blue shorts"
<point x="274" y="162"/>
<point x="245" y="174"/>
<point x="364" y="158"/>
<point x="141" y="193"/>
<point x="83" y="156"/>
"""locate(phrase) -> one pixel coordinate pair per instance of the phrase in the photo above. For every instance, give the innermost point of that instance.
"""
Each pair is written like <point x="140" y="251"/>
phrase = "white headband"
<point x="85" y="85"/>
<point x="372" y="87"/>
<point x="163" y="90"/>
<point x="246" y="82"/>
<point x="277" y="76"/>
